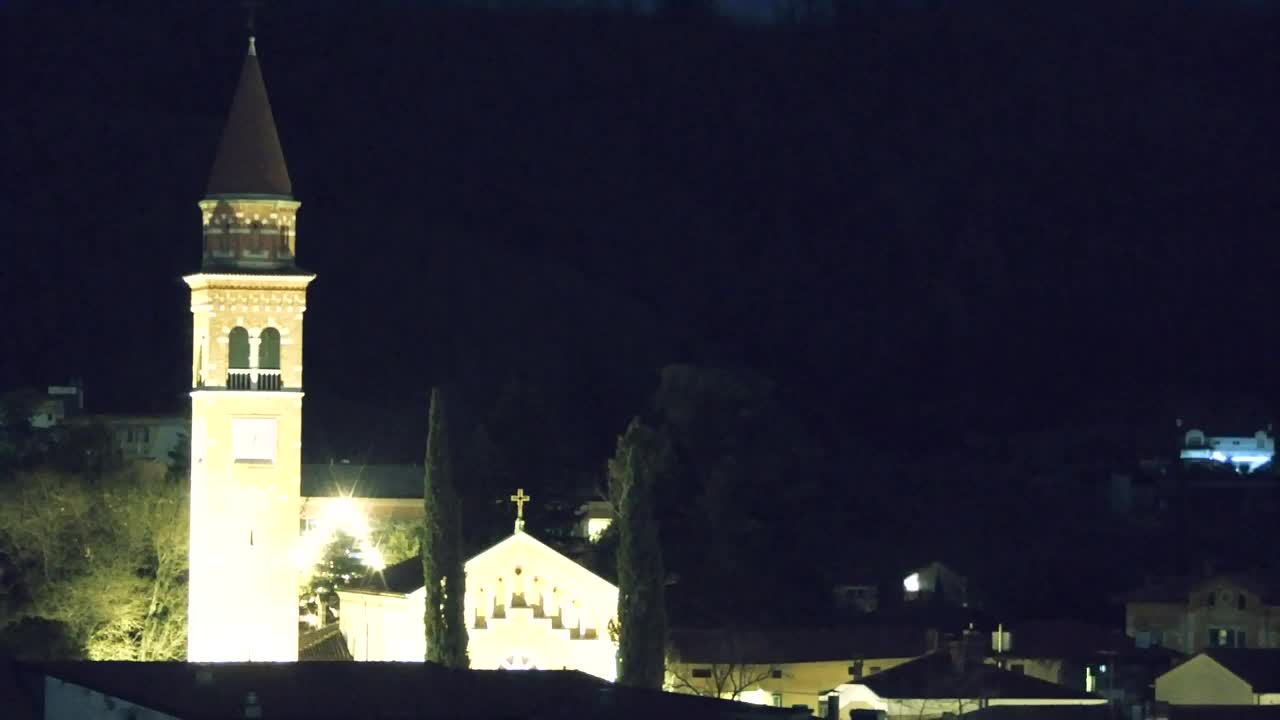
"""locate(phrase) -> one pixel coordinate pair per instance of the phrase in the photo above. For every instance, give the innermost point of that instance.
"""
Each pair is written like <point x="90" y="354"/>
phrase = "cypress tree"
<point x="442" y="565"/>
<point x="642" y="613"/>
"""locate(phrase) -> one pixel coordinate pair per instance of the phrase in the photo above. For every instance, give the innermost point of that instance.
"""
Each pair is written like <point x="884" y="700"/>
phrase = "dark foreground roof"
<point x="1260" y="668"/>
<point x="1042" y="712"/>
<point x="1224" y="712"/>
<point x="389" y="691"/>
<point x="936" y="676"/>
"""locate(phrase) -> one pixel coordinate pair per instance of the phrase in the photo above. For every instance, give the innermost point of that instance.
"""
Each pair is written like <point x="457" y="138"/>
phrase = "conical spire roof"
<point x="249" y="160"/>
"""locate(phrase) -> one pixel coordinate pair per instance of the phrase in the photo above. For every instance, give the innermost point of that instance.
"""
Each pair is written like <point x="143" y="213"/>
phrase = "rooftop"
<point x="390" y="691"/>
<point x="937" y="676"/>
<point x="250" y="160"/>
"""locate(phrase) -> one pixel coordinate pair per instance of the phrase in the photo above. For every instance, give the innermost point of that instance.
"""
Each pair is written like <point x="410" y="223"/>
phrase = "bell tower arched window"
<point x="269" y="349"/>
<point x="268" y="359"/>
<point x="238" y="360"/>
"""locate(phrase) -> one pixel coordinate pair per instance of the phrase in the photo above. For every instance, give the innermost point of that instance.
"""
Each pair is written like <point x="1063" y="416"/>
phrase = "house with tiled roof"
<point x="1223" y="676"/>
<point x="787" y="667"/>
<point x="954" y="681"/>
<point x="1082" y="656"/>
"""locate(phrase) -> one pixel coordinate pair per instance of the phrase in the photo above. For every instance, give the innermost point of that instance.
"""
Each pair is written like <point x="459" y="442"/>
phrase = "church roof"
<point x="390" y="690"/>
<point x="249" y="159"/>
<point x="405" y="576"/>
<point x="381" y="480"/>
<point x="401" y="578"/>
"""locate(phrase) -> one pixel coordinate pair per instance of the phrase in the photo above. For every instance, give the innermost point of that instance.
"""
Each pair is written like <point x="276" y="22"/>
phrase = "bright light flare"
<point x="911" y="583"/>
<point x="341" y="514"/>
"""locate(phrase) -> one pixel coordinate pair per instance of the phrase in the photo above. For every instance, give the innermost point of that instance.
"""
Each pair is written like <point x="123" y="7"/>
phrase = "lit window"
<point x="777" y="699"/>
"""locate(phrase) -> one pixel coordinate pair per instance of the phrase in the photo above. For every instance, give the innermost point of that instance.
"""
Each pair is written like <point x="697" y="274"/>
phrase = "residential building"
<point x="1082" y="656"/>
<point x="787" y="667"/>
<point x="147" y="437"/>
<point x="951" y="682"/>
<point x="1223" y="676"/>
<point x="1191" y="615"/>
<point x="1244" y="453"/>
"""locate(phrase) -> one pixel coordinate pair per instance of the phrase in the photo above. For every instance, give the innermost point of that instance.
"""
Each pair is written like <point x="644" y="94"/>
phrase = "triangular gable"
<point x="1198" y="678"/>
<point x="405" y="578"/>
<point x="544" y="553"/>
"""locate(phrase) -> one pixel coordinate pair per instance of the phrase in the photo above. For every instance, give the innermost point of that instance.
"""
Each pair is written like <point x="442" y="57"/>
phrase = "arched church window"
<point x="238" y="376"/>
<point x="269" y="349"/>
<point x="238" y="349"/>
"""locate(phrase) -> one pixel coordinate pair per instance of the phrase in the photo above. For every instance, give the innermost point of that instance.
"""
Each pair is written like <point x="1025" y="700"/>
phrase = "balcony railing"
<point x="253" y="379"/>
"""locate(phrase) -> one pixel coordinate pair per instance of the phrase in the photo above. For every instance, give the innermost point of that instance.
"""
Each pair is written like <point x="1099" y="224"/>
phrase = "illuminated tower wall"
<point x="247" y="304"/>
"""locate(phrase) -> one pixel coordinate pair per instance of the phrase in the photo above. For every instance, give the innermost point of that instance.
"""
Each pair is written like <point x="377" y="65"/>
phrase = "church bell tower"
<point x="247" y="302"/>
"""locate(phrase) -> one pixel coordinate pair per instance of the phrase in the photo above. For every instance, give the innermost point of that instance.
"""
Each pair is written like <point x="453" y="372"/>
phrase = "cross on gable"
<point x="520" y="499"/>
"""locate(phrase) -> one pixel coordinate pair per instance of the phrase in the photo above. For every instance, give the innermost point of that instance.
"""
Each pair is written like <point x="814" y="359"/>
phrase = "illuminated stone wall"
<point x="244" y="505"/>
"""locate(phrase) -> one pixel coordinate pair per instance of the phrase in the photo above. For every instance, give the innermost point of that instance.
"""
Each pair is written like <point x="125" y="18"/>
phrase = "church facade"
<point x="247" y="303"/>
<point x="527" y="607"/>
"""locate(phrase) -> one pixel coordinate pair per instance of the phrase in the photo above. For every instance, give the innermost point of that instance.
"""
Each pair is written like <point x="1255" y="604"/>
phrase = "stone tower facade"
<point x="247" y="303"/>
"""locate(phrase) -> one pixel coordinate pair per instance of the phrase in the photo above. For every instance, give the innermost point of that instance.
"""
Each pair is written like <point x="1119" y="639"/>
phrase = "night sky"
<point x="922" y="219"/>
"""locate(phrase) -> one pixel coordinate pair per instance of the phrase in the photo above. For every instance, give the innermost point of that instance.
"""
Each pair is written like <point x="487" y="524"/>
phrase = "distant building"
<point x="60" y="402"/>
<point x="950" y="683"/>
<point x="597" y="516"/>
<point x="860" y="596"/>
<point x="1245" y="454"/>
<point x="936" y="582"/>
<point x="787" y="667"/>
<point x="147" y="437"/>
<point x="1084" y="657"/>
<point x="46" y="408"/>
<point x="1191" y="615"/>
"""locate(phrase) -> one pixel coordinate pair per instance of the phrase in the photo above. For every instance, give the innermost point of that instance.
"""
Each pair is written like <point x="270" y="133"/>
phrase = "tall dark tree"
<point x="442" y="570"/>
<point x="642" y="614"/>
